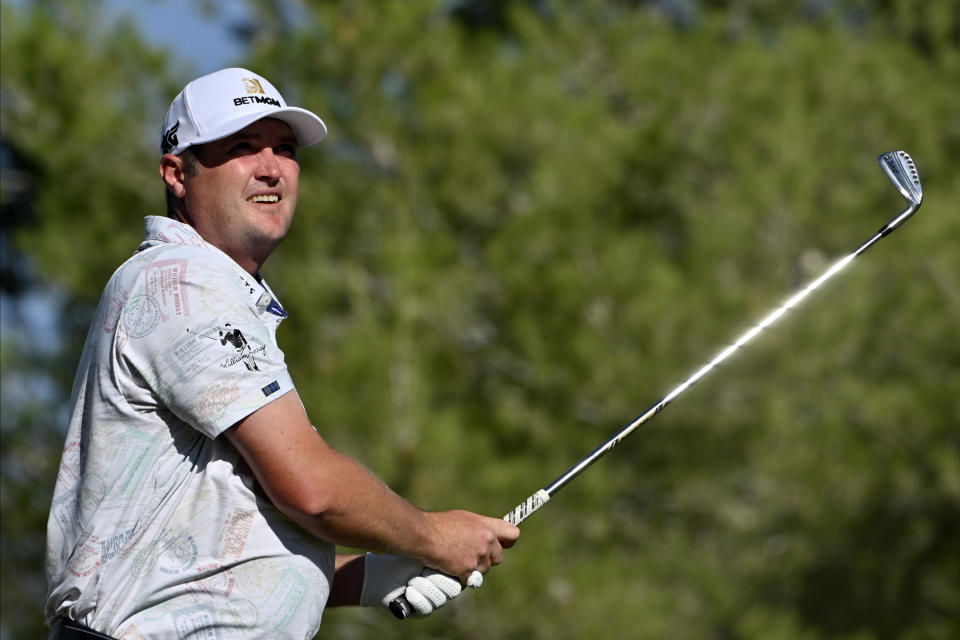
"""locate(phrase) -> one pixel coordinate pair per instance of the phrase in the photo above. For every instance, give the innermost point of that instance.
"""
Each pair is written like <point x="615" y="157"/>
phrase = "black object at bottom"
<point x="400" y="608"/>
<point x="64" y="629"/>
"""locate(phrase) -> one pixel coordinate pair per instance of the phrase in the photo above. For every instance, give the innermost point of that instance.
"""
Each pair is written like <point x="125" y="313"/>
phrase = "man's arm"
<point x="337" y="499"/>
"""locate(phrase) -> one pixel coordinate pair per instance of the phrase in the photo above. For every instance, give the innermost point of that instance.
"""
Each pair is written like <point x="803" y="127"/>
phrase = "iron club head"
<point x="900" y="168"/>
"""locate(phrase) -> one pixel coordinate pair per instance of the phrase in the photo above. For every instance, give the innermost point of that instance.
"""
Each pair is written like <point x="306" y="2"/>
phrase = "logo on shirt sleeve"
<point x="232" y="337"/>
<point x="245" y="352"/>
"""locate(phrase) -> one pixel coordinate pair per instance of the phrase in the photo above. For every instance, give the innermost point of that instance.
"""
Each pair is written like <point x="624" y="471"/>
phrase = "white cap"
<point x="217" y="105"/>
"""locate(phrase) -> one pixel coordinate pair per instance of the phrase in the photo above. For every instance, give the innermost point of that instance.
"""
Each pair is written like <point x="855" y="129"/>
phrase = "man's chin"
<point x="275" y="225"/>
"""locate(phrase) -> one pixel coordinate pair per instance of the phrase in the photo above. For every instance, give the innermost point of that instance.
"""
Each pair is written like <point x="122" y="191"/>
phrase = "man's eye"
<point x="288" y="150"/>
<point x="241" y="147"/>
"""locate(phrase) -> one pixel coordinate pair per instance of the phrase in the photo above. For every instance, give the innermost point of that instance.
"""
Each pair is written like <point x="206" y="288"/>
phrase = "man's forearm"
<point x="326" y="492"/>
<point x="356" y="509"/>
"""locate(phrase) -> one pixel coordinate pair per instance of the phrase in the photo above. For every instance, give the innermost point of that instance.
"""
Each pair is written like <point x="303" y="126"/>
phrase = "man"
<point x="194" y="498"/>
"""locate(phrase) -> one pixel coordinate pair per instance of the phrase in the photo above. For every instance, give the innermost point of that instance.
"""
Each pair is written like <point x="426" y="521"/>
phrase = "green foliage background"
<point x="530" y="220"/>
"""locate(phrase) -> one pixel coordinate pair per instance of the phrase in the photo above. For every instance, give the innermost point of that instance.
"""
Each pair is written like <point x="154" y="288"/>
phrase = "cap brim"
<point x="307" y="126"/>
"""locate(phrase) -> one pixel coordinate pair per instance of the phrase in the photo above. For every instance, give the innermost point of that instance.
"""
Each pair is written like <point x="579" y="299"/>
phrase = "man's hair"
<point x="175" y="204"/>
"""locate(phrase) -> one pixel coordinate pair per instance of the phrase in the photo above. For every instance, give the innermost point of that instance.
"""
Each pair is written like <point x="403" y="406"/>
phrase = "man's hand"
<point x="465" y="542"/>
<point x="386" y="577"/>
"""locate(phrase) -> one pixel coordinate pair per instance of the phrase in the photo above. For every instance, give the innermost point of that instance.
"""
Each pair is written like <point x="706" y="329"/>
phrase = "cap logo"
<point x="169" y="140"/>
<point x="252" y="85"/>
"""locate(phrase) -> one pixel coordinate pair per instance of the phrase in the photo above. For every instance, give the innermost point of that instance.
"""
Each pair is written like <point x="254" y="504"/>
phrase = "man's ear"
<point x="171" y="170"/>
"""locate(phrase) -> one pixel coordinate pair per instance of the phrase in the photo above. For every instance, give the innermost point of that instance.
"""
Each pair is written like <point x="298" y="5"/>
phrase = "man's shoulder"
<point x="170" y="282"/>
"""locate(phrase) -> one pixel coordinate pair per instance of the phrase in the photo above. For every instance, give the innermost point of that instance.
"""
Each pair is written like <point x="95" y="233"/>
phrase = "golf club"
<point x="900" y="168"/>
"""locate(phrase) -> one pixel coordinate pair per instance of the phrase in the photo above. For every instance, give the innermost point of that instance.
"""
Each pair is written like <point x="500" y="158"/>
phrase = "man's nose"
<point x="268" y="169"/>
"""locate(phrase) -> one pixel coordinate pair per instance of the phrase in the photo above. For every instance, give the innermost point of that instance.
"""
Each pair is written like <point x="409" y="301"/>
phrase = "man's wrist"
<point x="385" y="577"/>
<point x="347" y="584"/>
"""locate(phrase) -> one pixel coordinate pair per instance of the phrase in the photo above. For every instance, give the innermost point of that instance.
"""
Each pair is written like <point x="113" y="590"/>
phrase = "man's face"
<point x="244" y="193"/>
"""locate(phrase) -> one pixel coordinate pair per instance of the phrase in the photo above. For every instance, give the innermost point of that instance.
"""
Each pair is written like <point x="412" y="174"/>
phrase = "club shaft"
<point x="726" y="353"/>
<point x="525" y="509"/>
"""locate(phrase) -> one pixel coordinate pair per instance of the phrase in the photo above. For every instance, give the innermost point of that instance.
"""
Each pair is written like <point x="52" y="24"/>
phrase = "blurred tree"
<point x="518" y="233"/>
<point x="524" y="229"/>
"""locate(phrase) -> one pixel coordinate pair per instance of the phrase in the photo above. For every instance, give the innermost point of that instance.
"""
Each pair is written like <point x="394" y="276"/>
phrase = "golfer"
<point x="194" y="497"/>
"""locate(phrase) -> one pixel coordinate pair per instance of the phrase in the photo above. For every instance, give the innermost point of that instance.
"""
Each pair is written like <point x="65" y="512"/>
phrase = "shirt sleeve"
<point x="199" y="343"/>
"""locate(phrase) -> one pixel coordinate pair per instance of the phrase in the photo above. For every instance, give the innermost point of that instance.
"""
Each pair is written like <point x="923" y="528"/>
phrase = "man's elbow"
<point x="303" y="501"/>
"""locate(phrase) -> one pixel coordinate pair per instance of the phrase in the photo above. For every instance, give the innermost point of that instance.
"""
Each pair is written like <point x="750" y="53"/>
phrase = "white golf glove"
<point x="386" y="577"/>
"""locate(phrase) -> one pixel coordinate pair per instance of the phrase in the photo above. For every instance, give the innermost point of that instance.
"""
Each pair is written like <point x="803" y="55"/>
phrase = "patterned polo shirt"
<point x="157" y="527"/>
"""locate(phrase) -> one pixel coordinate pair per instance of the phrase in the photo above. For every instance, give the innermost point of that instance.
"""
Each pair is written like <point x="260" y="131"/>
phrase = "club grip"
<point x="401" y="609"/>
<point x="526" y="508"/>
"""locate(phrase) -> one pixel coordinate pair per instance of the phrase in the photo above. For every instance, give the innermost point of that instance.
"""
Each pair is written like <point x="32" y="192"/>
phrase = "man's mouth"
<point x="264" y="198"/>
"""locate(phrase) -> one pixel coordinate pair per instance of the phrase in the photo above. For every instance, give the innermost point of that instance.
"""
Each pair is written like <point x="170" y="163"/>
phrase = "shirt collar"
<point x="159" y="230"/>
